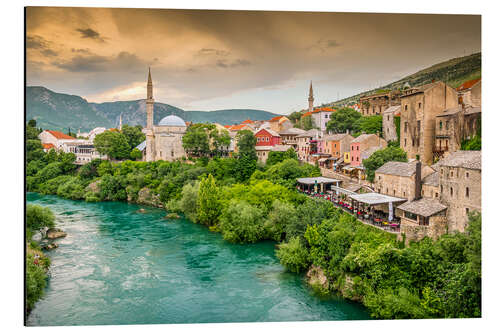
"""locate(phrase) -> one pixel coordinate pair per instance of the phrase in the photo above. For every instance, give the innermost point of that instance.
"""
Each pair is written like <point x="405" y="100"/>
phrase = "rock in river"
<point x="54" y="233"/>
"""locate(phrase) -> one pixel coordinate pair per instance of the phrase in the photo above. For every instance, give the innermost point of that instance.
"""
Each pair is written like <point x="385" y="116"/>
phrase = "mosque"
<point x="163" y="141"/>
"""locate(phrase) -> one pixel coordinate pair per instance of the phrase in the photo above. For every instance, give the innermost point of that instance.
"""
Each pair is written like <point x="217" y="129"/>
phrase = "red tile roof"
<point x="48" y="146"/>
<point x="307" y="114"/>
<point x="227" y="126"/>
<point x="237" y="127"/>
<point x="277" y="118"/>
<point x="323" y="109"/>
<point x="60" y="135"/>
<point x="248" y="121"/>
<point x="468" y="84"/>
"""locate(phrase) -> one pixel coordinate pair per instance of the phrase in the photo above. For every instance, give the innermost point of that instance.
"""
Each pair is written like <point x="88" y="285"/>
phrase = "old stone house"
<point x="460" y="186"/>
<point x="430" y="186"/>
<point x="279" y="123"/>
<point x="307" y="143"/>
<point x="388" y="124"/>
<point x="469" y="93"/>
<point x="421" y="218"/>
<point x="289" y="136"/>
<point x="376" y="104"/>
<point x="419" y="109"/>
<point x="401" y="179"/>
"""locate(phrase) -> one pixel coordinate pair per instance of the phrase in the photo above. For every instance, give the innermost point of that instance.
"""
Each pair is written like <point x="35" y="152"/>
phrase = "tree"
<point x="307" y="123"/>
<point x="34" y="150"/>
<point x="220" y="140"/>
<point x="343" y="120"/>
<point x="196" y="141"/>
<point x="242" y="223"/>
<point x="369" y="125"/>
<point x="295" y="117"/>
<point x="112" y="144"/>
<point x="135" y="154"/>
<point x="279" y="156"/>
<point x="380" y="157"/>
<point x="133" y="135"/>
<point x="32" y="123"/>
<point x="38" y="217"/>
<point x="209" y="206"/>
<point x="293" y="255"/>
<point x="246" y="144"/>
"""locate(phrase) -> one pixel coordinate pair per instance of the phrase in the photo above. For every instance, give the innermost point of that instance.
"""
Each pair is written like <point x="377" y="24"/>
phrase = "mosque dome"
<point x="172" y="121"/>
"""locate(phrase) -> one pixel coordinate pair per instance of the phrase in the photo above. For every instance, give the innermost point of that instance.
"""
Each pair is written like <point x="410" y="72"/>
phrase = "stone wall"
<point x="388" y="127"/>
<point x="414" y="232"/>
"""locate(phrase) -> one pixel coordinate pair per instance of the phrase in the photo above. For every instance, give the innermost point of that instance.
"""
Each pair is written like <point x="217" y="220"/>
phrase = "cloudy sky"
<point x="208" y="60"/>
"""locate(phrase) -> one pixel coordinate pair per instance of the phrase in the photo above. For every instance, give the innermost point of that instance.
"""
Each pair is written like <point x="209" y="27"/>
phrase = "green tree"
<point x="246" y="144"/>
<point x="281" y="214"/>
<point x="34" y="150"/>
<point x="307" y="123"/>
<point x="32" y="123"/>
<point x="38" y="217"/>
<point x="293" y="255"/>
<point x="242" y="223"/>
<point x="369" y="125"/>
<point x="35" y="281"/>
<point x="342" y="120"/>
<point x="380" y="157"/>
<point x="220" y="140"/>
<point x="196" y="141"/>
<point x="135" y="154"/>
<point x="113" y="144"/>
<point x="133" y="135"/>
<point x="295" y="117"/>
<point x="209" y="206"/>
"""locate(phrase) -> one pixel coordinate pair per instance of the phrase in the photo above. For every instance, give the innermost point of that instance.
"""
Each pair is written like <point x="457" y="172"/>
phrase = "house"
<point x="307" y="143"/>
<point x="263" y="151"/>
<point x="401" y="179"/>
<point x="267" y="137"/>
<point x="240" y="127"/>
<point x="48" y="146"/>
<point x="336" y="145"/>
<point x="362" y="143"/>
<point x="321" y="116"/>
<point x="419" y="109"/>
<point x="289" y="136"/>
<point x="376" y="104"/>
<point x="83" y="149"/>
<point x="55" y="138"/>
<point x="460" y="186"/>
<point x="280" y="123"/>
<point x="469" y="93"/>
<point x="421" y="218"/>
<point x="430" y="186"/>
<point x="388" y="124"/>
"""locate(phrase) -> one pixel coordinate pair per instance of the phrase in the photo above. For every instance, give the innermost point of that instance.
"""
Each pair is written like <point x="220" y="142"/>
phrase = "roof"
<point x="452" y="111"/>
<point x="248" y="121"/>
<point x="172" y="121"/>
<point x="420" y="89"/>
<point x="468" y="84"/>
<point x="306" y="114"/>
<point x="227" y="126"/>
<point x="277" y="118"/>
<point x="424" y="207"/>
<point x="393" y="109"/>
<point x="369" y="151"/>
<point x="317" y="180"/>
<point x="141" y="146"/>
<point x="60" y="135"/>
<point x="48" y="146"/>
<point x="374" y="198"/>
<point x="270" y="131"/>
<point x="363" y="137"/>
<point x="281" y="147"/>
<point x="292" y="131"/>
<point x="353" y="187"/>
<point x="469" y="159"/>
<point x="432" y="179"/>
<point x="324" y="109"/>
<point x="237" y="127"/>
<point x="335" y="137"/>
<point x="403" y="169"/>
<point x="311" y="132"/>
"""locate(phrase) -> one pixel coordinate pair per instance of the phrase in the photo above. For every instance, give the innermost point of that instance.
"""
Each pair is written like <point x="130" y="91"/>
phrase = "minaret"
<point x="149" y="102"/>
<point x="120" y="125"/>
<point x="311" y="97"/>
<point x="150" y="137"/>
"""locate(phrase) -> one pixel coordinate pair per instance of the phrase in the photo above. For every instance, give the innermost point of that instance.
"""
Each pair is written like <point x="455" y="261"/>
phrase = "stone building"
<point x="307" y="143"/>
<point x="163" y="141"/>
<point x="430" y="186"/>
<point x="279" y="123"/>
<point x="421" y="218"/>
<point x="419" y="109"/>
<point x="376" y="104"/>
<point x="388" y="125"/>
<point x="469" y="93"/>
<point x="362" y="143"/>
<point x="289" y="136"/>
<point x="401" y="179"/>
<point x="460" y="186"/>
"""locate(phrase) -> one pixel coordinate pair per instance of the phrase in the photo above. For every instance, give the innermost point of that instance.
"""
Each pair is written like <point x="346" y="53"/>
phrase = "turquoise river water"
<point x="119" y="266"/>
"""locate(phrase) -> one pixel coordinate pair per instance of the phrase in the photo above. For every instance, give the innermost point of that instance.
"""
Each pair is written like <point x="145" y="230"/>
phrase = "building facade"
<point x="388" y="122"/>
<point x="321" y="116"/>
<point x="376" y="104"/>
<point x="362" y="143"/>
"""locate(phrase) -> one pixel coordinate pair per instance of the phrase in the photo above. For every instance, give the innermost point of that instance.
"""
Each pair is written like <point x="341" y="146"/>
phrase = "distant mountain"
<point x="62" y="111"/>
<point x="453" y="72"/>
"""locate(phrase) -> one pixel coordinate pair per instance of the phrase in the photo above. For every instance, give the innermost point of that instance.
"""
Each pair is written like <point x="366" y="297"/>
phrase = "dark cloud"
<point x="124" y="61"/>
<point x="85" y="51"/>
<point x="92" y="34"/>
<point x="223" y="63"/>
<point x="41" y="44"/>
<point x="212" y="52"/>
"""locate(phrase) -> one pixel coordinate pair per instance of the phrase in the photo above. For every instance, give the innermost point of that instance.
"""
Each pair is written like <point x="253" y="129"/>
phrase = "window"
<point x="447" y="124"/>
<point x="387" y="117"/>
<point x="466" y="192"/>
<point x="418" y="126"/>
<point x="441" y="188"/>
<point x="451" y="174"/>
<point x="379" y="177"/>
<point x="335" y="145"/>
<point x="440" y="125"/>
<point x="404" y="194"/>
<point x="406" y="107"/>
<point x="466" y="175"/>
<point x="326" y="116"/>
<point x="406" y="126"/>
<point x="357" y="148"/>
<point x="357" y="159"/>
<point x="436" y="194"/>
<point x="451" y="191"/>
<point x="387" y="191"/>
<point x="467" y="211"/>
<point x="442" y="171"/>
<point x="410" y="216"/>
<point x="172" y="153"/>
<point x="394" y="192"/>
<point x="405" y="142"/>
<point x="419" y="105"/>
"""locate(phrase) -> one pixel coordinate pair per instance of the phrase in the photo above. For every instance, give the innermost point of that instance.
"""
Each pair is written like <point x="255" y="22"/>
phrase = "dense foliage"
<point x="343" y="120"/>
<point x="369" y="125"/>
<point x="279" y="156"/>
<point x="205" y="140"/>
<point x="113" y="144"/>
<point x="382" y="156"/>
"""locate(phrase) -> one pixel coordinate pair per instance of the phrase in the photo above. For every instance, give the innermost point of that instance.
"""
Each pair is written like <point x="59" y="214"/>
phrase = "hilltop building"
<point x="163" y="141"/>
<point x="376" y="104"/>
<point x="419" y="109"/>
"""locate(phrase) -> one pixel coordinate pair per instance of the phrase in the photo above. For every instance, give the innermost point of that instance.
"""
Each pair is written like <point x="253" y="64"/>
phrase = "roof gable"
<point x="60" y="135"/>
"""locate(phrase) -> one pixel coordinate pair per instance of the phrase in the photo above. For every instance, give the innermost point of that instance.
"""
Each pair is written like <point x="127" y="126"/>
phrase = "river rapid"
<point x="120" y="266"/>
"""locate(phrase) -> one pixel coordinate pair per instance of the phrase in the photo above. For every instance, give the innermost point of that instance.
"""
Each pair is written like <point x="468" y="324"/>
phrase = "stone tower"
<point x="311" y="97"/>
<point x="150" y="139"/>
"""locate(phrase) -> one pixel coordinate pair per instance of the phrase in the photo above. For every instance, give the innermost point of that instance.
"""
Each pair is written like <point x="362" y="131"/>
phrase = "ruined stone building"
<point x="388" y="125"/>
<point x="376" y="104"/>
<point x="419" y="109"/>
<point x="163" y="141"/>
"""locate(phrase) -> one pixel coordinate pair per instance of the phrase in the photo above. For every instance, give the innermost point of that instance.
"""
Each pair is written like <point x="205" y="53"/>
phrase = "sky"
<point x="212" y="60"/>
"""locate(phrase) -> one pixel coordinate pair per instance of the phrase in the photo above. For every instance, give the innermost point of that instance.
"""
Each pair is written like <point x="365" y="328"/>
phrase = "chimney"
<point x="418" y="180"/>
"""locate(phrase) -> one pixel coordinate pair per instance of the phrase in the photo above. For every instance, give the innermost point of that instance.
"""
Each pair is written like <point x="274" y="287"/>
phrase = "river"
<point x="119" y="266"/>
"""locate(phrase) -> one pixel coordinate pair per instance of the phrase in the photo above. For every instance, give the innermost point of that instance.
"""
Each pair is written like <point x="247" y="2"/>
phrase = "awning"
<point x="317" y="180"/>
<point x="323" y="159"/>
<point x="374" y="198"/>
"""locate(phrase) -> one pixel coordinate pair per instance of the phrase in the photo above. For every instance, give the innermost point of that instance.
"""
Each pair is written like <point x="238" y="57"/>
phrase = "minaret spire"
<point x="120" y="125"/>
<point x="150" y="85"/>
<point x="311" y="97"/>
<point x="149" y="130"/>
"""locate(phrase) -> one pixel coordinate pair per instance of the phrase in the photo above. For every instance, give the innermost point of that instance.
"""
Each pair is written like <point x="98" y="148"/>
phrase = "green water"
<point x="119" y="266"/>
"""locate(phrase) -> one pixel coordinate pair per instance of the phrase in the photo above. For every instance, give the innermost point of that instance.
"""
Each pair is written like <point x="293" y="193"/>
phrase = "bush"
<point x="188" y="203"/>
<point x="38" y="217"/>
<point x="72" y="189"/>
<point x="281" y="214"/>
<point x="35" y="281"/>
<point x="293" y="255"/>
<point x="209" y="206"/>
<point x="242" y="223"/>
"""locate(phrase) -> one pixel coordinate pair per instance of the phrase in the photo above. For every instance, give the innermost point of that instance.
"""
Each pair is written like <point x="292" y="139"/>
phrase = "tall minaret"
<point x="120" y="124"/>
<point x="149" y="102"/>
<point x="150" y="137"/>
<point x="311" y="97"/>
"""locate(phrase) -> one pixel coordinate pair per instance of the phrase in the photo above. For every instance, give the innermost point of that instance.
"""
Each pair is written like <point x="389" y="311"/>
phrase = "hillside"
<point x="453" y="72"/>
<point x="59" y="111"/>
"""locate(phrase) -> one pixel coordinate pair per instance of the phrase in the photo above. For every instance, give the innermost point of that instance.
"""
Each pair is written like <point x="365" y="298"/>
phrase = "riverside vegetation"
<point x="248" y="202"/>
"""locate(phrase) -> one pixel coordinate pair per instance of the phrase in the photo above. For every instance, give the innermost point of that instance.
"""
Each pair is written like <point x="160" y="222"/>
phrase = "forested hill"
<point x="454" y="72"/>
<point x="62" y="111"/>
